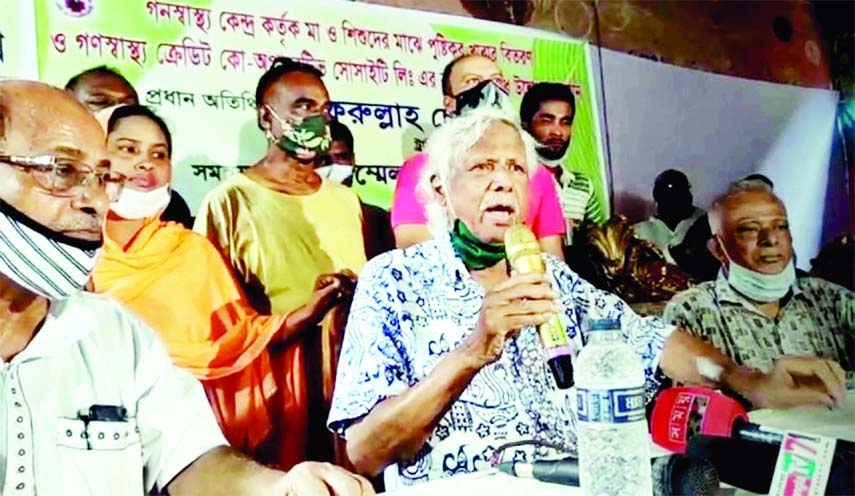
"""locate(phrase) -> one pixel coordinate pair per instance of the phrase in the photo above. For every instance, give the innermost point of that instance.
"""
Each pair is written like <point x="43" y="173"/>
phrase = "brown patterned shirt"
<point x="817" y="319"/>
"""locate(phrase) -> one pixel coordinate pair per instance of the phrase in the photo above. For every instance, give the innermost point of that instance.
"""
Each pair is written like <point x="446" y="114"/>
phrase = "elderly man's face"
<point x="756" y="233"/>
<point x="489" y="192"/>
<point x="49" y="122"/>
<point x="466" y="74"/>
<point x="99" y="91"/>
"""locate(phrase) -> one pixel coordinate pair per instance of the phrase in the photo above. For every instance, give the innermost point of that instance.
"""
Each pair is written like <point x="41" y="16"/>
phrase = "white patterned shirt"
<point x="413" y="306"/>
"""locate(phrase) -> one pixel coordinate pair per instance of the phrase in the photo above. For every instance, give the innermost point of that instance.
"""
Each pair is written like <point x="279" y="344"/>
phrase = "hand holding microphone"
<point x="522" y="300"/>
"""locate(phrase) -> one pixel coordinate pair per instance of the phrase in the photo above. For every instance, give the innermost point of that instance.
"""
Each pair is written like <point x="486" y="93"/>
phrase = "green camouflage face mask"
<point x="307" y="135"/>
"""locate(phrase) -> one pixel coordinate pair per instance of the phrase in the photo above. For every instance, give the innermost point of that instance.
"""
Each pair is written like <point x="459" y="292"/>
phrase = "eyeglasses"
<point x="65" y="177"/>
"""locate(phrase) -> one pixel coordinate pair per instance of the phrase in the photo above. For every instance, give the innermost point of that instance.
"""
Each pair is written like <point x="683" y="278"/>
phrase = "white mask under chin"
<point x="135" y="204"/>
<point x="335" y="172"/>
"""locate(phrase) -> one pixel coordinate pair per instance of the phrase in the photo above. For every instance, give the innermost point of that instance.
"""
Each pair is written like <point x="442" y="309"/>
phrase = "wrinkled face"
<point x="137" y="148"/>
<point x="340" y="153"/>
<point x="99" y="91"/>
<point x="489" y="191"/>
<point x="466" y="74"/>
<point x="50" y="122"/>
<point x="552" y="127"/>
<point x="295" y="96"/>
<point x="755" y="233"/>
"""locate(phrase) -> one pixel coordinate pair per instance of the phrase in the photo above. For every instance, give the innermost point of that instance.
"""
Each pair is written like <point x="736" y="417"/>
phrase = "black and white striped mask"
<point x="47" y="263"/>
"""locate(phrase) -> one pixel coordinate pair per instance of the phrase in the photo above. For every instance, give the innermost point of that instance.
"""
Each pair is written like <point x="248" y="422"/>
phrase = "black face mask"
<point x="485" y="94"/>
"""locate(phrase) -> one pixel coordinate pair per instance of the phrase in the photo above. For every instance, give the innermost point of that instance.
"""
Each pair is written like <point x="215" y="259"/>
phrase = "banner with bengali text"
<point x="197" y="63"/>
<point x="18" y="58"/>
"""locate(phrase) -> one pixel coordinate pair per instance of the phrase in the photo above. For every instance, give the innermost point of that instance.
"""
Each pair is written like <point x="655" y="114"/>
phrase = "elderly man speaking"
<point x="441" y="363"/>
<point x="91" y="404"/>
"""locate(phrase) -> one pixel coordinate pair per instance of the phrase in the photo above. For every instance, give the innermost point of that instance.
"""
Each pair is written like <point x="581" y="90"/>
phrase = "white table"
<point x="836" y="423"/>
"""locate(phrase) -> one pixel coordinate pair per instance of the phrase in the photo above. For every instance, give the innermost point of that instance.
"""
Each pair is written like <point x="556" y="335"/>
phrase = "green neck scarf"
<point x="474" y="253"/>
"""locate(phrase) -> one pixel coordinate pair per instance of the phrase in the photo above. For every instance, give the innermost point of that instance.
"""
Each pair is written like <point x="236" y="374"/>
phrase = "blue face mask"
<point x="758" y="286"/>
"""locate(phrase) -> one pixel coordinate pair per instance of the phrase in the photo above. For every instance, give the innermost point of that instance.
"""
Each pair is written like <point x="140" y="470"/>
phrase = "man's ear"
<point x="265" y="121"/>
<point x="450" y="105"/>
<point x="715" y="249"/>
<point x="438" y="190"/>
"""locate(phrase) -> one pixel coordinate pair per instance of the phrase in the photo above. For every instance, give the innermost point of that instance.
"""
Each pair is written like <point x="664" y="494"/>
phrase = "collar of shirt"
<point x="67" y="322"/>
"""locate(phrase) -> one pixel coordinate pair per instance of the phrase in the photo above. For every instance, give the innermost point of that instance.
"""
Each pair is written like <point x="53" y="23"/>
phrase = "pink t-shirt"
<point x="544" y="215"/>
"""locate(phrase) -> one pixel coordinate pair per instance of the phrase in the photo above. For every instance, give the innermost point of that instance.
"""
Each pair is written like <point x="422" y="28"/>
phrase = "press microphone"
<point x="707" y="424"/>
<point x="672" y="475"/>
<point x="682" y="412"/>
<point x="523" y="253"/>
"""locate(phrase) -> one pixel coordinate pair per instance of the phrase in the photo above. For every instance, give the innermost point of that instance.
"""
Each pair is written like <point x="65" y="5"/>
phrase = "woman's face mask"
<point x="485" y="94"/>
<point x="308" y="137"/>
<point x="137" y="204"/>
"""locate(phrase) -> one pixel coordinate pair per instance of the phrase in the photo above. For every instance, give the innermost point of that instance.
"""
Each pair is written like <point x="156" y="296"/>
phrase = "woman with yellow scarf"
<point x="179" y="284"/>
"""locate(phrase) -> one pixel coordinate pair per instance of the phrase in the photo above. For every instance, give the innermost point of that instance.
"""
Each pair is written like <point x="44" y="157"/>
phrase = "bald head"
<point x="36" y="117"/>
<point x="43" y="121"/>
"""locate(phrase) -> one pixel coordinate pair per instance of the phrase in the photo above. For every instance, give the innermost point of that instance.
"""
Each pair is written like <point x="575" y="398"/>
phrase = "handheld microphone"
<point x="523" y="254"/>
<point x="672" y="475"/>
<point x="710" y="425"/>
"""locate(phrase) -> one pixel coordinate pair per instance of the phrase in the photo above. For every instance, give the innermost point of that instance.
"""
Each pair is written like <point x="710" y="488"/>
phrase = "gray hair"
<point x="718" y="206"/>
<point x="447" y="148"/>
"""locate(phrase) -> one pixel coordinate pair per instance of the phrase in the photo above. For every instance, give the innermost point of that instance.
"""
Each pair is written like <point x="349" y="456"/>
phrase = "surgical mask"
<point x="552" y="163"/>
<point x="758" y="286"/>
<point x="135" y="204"/>
<point x="486" y="94"/>
<point x="42" y="261"/>
<point x="335" y="172"/>
<point x="307" y="135"/>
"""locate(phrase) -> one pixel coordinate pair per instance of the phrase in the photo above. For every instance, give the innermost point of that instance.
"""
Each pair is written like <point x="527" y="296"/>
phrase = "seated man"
<point x="441" y="362"/>
<point x="92" y="403"/>
<point x="675" y="213"/>
<point x="757" y="311"/>
<point x="471" y="82"/>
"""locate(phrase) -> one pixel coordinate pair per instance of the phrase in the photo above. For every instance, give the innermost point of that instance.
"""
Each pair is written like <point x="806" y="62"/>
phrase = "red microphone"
<point x="683" y="412"/>
<point x="710" y="425"/>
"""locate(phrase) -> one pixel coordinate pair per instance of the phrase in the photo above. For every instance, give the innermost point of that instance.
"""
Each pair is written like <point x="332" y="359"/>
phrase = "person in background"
<point x="675" y="213"/>
<point x="442" y="363"/>
<point x="179" y="284"/>
<point x="547" y="112"/>
<point x="470" y="82"/>
<point x="92" y="403"/>
<point x="294" y="240"/>
<point x="101" y="87"/>
<point x="757" y="311"/>
<point x="340" y="160"/>
<point x="339" y="167"/>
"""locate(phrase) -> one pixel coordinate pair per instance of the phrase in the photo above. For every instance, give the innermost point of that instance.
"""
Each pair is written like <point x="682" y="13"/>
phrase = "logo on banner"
<point x="76" y="8"/>
<point x="616" y="406"/>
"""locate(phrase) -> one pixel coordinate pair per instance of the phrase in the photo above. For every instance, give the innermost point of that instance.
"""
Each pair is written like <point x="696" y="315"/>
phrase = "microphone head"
<point x="523" y="250"/>
<point x="684" y="476"/>
<point x="682" y="412"/>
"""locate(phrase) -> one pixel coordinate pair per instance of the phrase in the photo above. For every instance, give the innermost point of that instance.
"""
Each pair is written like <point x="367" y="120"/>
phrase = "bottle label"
<point x="613" y="406"/>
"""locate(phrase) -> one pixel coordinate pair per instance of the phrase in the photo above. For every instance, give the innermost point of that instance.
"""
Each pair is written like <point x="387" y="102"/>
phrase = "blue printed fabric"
<point x="413" y="306"/>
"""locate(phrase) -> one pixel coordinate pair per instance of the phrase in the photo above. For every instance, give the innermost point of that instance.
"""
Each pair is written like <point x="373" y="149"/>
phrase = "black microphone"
<point x="750" y="463"/>
<point x="672" y="475"/>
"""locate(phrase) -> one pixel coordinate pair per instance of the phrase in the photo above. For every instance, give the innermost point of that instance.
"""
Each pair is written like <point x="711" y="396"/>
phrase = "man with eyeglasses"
<point x="91" y="402"/>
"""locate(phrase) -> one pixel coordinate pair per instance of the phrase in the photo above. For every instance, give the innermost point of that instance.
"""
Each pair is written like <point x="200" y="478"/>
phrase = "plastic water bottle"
<point x="613" y="441"/>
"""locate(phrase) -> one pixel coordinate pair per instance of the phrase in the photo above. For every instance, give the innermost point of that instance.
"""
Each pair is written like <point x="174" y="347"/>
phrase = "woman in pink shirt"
<point x="543" y="215"/>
